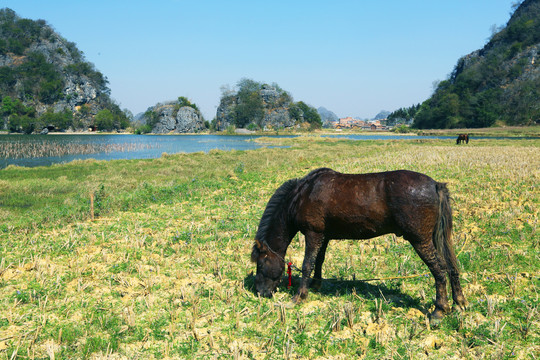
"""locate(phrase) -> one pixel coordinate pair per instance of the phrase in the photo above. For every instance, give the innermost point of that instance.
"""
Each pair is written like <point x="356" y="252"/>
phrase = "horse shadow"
<point x="339" y="287"/>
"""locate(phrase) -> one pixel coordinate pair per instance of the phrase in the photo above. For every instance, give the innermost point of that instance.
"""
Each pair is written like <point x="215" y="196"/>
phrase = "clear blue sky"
<point x="354" y="57"/>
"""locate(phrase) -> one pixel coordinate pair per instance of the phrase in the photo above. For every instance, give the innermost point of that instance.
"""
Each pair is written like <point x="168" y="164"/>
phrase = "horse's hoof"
<point x="434" y="322"/>
<point x="435" y="318"/>
<point x="460" y="304"/>
<point x="301" y="295"/>
<point x="460" y="307"/>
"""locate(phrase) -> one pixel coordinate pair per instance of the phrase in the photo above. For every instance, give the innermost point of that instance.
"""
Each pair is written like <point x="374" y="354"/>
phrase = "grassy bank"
<point x="505" y="131"/>
<point x="501" y="131"/>
<point x="163" y="271"/>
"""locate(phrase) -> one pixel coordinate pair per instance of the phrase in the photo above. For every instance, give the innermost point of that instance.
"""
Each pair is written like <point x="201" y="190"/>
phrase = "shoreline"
<point x="506" y="131"/>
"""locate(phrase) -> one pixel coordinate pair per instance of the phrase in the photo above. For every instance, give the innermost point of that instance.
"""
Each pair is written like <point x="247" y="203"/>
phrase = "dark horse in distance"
<point x="462" y="138"/>
<point x="327" y="205"/>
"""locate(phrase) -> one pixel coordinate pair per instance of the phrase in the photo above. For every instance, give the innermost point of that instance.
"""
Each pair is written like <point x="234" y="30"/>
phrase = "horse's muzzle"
<point x="265" y="287"/>
<point x="265" y="293"/>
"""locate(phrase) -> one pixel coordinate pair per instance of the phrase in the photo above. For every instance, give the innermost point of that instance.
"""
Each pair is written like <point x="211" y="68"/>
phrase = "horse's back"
<point x="325" y="183"/>
<point x="363" y="205"/>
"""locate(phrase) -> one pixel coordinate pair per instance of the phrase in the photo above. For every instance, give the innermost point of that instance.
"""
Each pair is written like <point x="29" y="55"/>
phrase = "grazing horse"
<point x="462" y="138"/>
<point x="327" y="205"/>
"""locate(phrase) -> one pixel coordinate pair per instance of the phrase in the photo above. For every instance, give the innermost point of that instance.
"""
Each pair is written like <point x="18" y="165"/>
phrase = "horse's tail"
<point x="442" y="236"/>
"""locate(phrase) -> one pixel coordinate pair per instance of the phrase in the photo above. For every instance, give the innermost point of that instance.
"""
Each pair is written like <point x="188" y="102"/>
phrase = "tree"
<point x="7" y="79"/>
<point x="15" y="113"/>
<point x="249" y="109"/>
<point x="310" y="114"/>
<point x="152" y="118"/>
<point x="104" y="120"/>
<point x="249" y="105"/>
<point x="184" y="101"/>
<point x="247" y="86"/>
<point x="61" y="121"/>
<point x="403" y="115"/>
<point x="23" y="123"/>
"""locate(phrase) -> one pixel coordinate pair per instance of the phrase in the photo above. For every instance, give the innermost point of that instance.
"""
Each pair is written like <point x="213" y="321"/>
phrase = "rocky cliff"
<point x="48" y="74"/>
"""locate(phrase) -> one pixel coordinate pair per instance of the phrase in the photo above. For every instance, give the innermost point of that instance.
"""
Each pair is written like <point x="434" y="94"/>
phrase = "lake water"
<point x="44" y="150"/>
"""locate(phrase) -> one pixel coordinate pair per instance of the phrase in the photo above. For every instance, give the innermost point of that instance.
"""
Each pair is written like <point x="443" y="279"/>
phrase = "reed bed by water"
<point x="42" y="148"/>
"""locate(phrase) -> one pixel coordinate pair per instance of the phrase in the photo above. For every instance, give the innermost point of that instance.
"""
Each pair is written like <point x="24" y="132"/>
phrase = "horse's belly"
<point x="357" y="229"/>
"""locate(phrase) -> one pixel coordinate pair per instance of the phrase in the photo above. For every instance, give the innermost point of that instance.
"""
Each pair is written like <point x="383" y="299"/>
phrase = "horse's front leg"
<point x="314" y="242"/>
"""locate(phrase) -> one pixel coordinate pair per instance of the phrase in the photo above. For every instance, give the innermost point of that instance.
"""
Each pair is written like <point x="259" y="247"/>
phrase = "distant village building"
<point x="377" y="125"/>
<point x="351" y="123"/>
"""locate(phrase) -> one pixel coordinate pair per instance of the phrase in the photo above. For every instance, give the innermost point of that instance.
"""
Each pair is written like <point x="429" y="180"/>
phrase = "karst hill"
<point x="46" y="81"/>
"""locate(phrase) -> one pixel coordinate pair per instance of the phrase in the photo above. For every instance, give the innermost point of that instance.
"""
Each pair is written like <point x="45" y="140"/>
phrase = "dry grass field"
<point x="163" y="270"/>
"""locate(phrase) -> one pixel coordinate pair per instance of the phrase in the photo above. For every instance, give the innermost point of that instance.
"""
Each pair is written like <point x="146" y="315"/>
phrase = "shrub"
<point x="143" y="129"/>
<point x="402" y="129"/>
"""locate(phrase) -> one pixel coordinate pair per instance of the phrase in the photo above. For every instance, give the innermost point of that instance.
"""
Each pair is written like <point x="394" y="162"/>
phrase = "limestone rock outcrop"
<point x="171" y="117"/>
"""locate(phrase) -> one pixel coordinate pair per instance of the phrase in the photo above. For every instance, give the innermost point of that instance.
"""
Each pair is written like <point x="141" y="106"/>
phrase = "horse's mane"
<point x="276" y="202"/>
<point x="283" y="194"/>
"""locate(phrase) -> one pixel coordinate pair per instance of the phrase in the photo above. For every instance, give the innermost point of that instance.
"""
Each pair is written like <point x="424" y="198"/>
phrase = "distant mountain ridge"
<point x="327" y="116"/>
<point x="383" y="114"/>
<point x="498" y="84"/>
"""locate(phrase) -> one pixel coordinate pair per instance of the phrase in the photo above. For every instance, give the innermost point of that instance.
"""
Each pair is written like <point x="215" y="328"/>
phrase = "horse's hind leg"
<point x="427" y="252"/>
<point x="317" y="275"/>
<point x="457" y="293"/>
<point x="314" y="242"/>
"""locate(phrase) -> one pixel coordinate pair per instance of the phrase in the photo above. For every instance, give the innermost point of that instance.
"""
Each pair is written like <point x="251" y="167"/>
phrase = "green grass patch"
<point x="163" y="270"/>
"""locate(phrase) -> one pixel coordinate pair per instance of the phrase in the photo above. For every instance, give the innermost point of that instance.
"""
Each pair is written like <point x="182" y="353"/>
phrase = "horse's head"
<point x="269" y="268"/>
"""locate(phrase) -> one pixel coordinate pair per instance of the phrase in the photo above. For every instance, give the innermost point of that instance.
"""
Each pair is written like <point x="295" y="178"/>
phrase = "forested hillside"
<point x="46" y="81"/>
<point x="497" y="85"/>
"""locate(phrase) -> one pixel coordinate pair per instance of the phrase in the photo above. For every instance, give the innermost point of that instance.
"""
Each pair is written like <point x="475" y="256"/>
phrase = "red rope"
<point x="289" y="271"/>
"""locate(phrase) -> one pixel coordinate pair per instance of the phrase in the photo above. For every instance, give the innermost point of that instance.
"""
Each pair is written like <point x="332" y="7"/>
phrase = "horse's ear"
<point x="258" y="248"/>
<point x="255" y="252"/>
